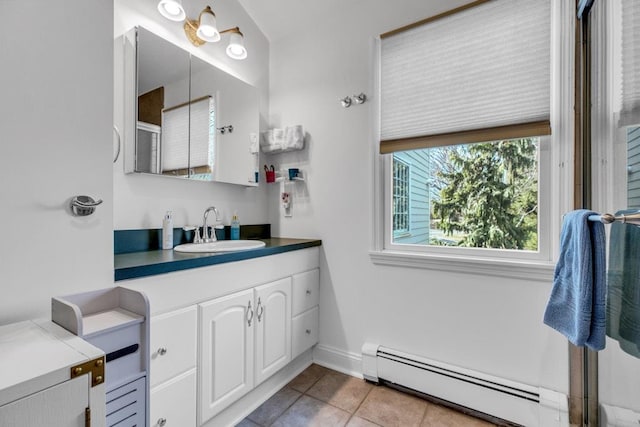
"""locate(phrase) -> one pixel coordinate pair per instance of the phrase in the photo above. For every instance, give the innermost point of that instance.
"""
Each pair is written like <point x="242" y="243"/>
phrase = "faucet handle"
<point x="197" y="238"/>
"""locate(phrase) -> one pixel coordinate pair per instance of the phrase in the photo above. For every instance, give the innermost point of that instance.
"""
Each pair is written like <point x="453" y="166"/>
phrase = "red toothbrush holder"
<point x="271" y="176"/>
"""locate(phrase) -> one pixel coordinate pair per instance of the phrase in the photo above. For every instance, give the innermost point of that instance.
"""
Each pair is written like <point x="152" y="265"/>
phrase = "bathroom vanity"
<point x="227" y="330"/>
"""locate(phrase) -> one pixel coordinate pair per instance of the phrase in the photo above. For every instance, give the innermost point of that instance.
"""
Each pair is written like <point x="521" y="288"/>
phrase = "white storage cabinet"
<point x="49" y="377"/>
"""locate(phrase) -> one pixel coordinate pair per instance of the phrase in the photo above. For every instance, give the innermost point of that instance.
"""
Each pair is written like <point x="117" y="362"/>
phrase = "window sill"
<point x="541" y="271"/>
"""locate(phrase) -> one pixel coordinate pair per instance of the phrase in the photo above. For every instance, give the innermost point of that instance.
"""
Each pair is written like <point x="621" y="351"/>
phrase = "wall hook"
<point x="224" y="129"/>
<point x="346" y="102"/>
<point x="83" y="205"/>
<point x="360" y="99"/>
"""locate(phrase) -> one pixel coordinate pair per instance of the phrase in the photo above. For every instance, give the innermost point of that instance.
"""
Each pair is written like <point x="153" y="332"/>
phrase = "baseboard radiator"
<point x="614" y="416"/>
<point x="514" y="402"/>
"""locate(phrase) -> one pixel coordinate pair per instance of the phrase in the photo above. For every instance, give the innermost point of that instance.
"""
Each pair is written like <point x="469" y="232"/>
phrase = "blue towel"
<point x="623" y="296"/>
<point x="576" y="306"/>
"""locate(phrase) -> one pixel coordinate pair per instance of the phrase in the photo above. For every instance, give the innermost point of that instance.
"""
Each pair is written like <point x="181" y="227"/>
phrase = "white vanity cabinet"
<point x="173" y="368"/>
<point x="222" y="335"/>
<point x="244" y="338"/>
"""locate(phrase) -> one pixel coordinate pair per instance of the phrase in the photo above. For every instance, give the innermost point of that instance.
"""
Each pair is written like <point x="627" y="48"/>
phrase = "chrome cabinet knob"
<point x="308" y="331"/>
<point x="308" y="291"/>
<point x="161" y="352"/>
<point x="162" y="422"/>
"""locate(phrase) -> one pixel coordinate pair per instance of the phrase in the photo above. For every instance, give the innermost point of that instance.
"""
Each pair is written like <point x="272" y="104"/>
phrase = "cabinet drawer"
<point x="304" y="331"/>
<point x="305" y="291"/>
<point x="173" y="344"/>
<point x="173" y="404"/>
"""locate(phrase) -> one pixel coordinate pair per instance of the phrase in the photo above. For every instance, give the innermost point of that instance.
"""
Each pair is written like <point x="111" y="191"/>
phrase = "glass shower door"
<point x="616" y="187"/>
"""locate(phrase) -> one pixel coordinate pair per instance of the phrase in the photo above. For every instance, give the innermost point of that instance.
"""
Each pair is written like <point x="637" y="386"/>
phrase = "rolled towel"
<point x="294" y="138"/>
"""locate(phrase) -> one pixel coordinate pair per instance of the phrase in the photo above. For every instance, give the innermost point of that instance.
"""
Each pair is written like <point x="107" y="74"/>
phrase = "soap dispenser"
<point x="235" y="227"/>
<point x="167" y="231"/>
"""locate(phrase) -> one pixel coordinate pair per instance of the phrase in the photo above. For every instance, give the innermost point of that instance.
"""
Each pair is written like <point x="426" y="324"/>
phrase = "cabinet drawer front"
<point x="173" y="404"/>
<point x="304" y="331"/>
<point x="173" y="344"/>
<point x="306" y="288"/>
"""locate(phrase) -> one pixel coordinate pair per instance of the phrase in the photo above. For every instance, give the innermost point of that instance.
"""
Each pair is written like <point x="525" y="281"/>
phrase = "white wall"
<point x="140" y="201"/>
<point x="56" y="138"/>
<point x="489" y="324"/>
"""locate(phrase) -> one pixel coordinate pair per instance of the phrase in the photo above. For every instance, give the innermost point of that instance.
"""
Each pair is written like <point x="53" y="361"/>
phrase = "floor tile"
<point x="308" y="377"/>
<point x="275" y="406"/>
<point x="247" y="423"/>
<point x="310" y="412"/>
<point x="390" y="408"/>
<point x="340" y="390"/>
<point x="440" y="416"/>
<point x="360" y="422"/>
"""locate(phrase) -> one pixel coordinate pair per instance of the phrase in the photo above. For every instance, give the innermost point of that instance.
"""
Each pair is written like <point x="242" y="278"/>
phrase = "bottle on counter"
<point x="235" y="227"/>
<point x="167" y="231"/>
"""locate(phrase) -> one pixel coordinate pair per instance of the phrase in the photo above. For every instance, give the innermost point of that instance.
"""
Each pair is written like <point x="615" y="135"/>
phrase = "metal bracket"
<point x="95" y="367"/>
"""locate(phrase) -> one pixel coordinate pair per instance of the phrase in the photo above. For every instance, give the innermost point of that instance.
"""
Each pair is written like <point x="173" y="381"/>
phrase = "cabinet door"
<point x="62" y="406"/>
<point x="226" y="351"/>
<point x="273" y="327"/>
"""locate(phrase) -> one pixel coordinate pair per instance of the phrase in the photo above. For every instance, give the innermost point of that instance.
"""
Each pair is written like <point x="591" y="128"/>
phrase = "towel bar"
<point x="633" y="218"/>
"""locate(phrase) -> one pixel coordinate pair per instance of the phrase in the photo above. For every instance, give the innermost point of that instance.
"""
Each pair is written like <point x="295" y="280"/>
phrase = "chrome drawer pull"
<point x="259" y="310"/>
<point x="249" y="313"/>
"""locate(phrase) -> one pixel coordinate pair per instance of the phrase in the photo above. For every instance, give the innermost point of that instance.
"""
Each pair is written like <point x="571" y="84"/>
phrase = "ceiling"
<point x="280" y="18"/>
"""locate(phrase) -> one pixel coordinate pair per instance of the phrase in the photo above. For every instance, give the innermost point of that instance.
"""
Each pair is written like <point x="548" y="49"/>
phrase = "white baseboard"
<point x="338" y="360"/>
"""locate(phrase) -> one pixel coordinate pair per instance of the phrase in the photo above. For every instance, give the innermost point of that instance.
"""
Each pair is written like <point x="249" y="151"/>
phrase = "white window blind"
<point x="180" y="142"/>
<point x="630" y="114"/>
<point x="202" y="133"/>
<point x="486" y="66"/>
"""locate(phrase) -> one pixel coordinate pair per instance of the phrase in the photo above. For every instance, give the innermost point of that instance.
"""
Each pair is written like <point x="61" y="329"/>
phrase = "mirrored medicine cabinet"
<point x="188" y="119"/>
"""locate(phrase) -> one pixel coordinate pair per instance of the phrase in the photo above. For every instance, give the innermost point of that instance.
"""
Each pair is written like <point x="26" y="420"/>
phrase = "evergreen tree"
<point x="490" y="195"/>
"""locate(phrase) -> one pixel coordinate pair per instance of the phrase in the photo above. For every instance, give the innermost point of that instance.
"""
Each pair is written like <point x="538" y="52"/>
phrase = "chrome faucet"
<point x="206" y="236"/>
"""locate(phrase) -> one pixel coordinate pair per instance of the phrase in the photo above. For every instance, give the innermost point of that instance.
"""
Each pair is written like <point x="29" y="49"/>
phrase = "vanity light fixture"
<point x="204" y="29"/>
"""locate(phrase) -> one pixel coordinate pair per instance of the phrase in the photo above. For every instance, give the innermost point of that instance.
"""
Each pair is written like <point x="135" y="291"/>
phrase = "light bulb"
<point x="172" y="9"/>
<point x="236" y="49"/>
<point x="207" y="29"/>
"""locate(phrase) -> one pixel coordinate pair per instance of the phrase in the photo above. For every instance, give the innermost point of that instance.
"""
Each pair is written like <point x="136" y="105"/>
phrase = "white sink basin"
<point x="220" y="246"/>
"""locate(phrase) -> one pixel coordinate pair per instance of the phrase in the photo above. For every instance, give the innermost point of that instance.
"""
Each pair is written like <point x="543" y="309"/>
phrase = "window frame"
<point x="555" y="189"/>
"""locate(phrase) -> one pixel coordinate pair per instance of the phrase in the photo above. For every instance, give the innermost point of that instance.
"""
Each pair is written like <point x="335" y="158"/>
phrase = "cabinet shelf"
<point x="283" y="176"/>
<point x="108" y="321"/>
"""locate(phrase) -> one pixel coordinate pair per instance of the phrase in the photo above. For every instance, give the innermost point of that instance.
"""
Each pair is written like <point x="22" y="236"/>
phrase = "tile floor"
<point x="326" y="398"/>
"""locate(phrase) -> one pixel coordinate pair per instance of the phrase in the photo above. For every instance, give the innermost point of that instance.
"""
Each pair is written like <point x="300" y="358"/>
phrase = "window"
<point x="630" y="96"/>
<point x="474" y="195"/>
<point x="469" y="93"/>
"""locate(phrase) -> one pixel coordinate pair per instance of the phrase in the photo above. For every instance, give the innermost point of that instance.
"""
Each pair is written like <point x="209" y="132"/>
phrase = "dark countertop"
<point x="148" y="263"/>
